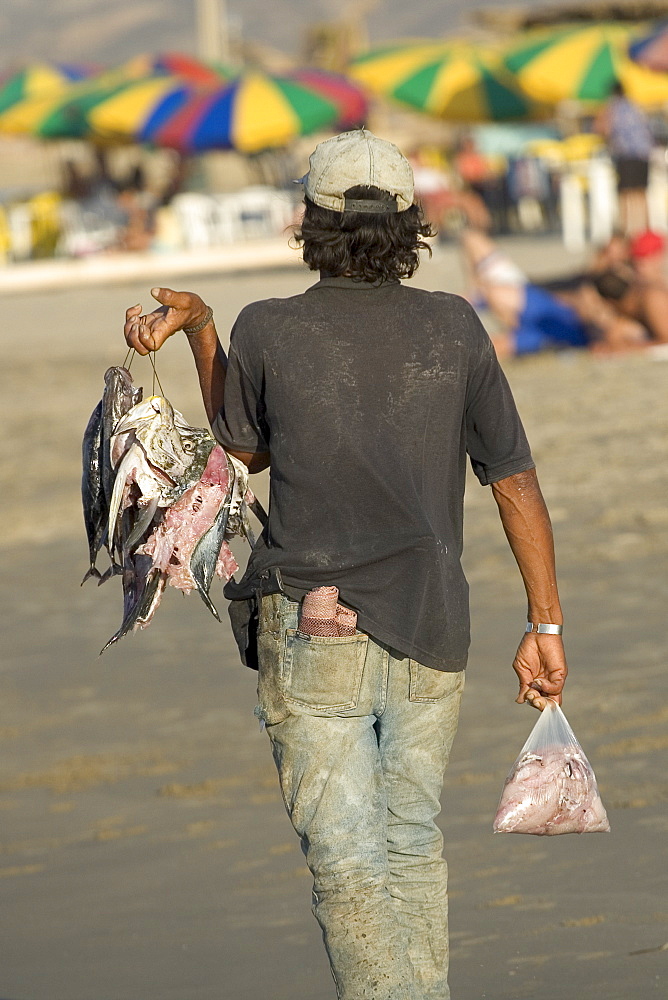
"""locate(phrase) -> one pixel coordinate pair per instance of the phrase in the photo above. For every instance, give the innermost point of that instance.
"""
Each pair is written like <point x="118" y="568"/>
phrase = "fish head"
<point x="154" y="426"/>
<point x="142" y="414"/>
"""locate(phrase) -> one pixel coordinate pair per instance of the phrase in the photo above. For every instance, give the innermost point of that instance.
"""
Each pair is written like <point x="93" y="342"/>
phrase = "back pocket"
<point x="323" y="673"/>
<point x="428" y="685"/>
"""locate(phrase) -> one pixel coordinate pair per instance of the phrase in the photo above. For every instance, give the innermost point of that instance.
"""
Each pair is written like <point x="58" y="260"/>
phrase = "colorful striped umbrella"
<point x="352" y="105"/>
<point x="582" y="63"/>
<point x="38" y="80"/>
<point x="255" y="112"/>
<point x="455" y="81"/>
<point x="68" y="115"/>
<point x="61" y="111"/>
<point x="197" y="72"/>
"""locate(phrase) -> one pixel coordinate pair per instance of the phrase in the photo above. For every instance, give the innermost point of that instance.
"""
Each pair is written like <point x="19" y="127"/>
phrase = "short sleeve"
<point x="240" y="425"/>
<point x="495" y="438"/>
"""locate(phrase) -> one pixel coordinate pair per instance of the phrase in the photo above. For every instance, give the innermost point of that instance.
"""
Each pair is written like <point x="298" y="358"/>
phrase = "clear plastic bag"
<point x="551" y="787"/>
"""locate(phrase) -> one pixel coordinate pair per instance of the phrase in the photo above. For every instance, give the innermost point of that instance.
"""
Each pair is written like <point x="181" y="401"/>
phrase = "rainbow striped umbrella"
<point x="256" y="111"/>
<point x="651" y="48"/>
<point x="38" y="80"/>
<point x="146" y="82"/>
<point x="452" y="80"/>
<point x="197" y="72"/>
<point x="352" y="105"/>
<point x="68" y="115"/>
<point x="582" y="63"/>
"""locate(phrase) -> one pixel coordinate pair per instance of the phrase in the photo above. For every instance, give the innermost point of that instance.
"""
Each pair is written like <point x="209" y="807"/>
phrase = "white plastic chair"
<point x="195" y="213"/>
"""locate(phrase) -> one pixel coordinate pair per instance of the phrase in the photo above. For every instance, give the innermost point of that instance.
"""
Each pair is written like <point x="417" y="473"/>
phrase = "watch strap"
<point x="544" y="628"/>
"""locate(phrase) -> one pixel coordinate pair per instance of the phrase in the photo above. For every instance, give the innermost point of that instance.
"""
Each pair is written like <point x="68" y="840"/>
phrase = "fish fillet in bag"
<point x="551" y="787"/>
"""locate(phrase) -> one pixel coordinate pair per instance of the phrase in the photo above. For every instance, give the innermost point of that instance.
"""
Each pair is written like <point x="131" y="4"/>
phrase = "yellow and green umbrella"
<point x="38" y="80"/>
<point x="456" y="81"/>
<point x="582" y="63"/>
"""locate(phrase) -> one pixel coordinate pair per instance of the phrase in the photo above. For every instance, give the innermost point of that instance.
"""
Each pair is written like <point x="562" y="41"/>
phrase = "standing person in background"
<point x="627" y="132"/>
<point x="363" y="396"/>
<point x="473" y="172"/>
<point x="138" y="204"/>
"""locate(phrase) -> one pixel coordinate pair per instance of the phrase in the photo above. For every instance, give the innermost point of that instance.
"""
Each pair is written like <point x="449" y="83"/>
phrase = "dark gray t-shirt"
<point x="368" y="399"/>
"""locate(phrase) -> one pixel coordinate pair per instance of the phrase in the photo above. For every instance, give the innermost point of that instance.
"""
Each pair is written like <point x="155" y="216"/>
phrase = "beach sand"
<point x="144" y="850"/>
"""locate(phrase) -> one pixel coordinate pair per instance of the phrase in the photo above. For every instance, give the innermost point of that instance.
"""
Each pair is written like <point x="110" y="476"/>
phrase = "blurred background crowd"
<point x="538" y="121"/>
<point x="155" y="142"/>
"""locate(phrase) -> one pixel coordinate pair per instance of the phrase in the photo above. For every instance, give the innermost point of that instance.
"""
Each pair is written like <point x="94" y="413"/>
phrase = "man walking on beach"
<point x="364" y="395"/>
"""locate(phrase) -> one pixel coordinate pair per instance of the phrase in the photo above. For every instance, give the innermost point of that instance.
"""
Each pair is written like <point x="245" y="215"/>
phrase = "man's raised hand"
<point x="147" y="332"/>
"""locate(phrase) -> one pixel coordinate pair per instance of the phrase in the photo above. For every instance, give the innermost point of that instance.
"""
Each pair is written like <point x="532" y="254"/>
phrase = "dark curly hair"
<point x="364" y="246"/>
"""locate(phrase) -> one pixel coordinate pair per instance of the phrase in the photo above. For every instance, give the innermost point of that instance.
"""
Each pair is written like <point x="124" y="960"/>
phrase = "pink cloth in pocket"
<point x="322" y="614"/>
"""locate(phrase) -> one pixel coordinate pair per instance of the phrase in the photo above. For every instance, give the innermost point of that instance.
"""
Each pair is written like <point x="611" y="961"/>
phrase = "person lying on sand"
<point x="533" y="318"/>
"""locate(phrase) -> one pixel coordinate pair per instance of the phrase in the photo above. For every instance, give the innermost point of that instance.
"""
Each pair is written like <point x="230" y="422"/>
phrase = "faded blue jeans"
<point x="361" y="738"/>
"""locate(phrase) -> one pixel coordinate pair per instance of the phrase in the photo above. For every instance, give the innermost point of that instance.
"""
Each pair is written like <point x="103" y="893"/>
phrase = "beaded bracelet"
<point x="190" y="331"/>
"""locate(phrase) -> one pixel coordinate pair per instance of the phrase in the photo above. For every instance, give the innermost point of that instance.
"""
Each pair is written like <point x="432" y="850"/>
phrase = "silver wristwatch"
<point x="543" y="628"/>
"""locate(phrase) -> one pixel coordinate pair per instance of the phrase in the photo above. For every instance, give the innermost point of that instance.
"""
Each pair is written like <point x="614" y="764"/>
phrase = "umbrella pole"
<point x="213" y="31"/>
<point x="572" y="213"/>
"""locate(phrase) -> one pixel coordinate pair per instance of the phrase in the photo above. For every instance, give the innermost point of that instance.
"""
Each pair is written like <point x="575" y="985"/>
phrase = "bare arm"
<point x="655" y="312"/>
<point x="540" y="662"/>
<point x="178" y="309"/>
<point x="617" y="331"/>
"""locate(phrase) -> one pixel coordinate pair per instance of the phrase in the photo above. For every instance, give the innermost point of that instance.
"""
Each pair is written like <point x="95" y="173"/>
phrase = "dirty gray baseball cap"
<point x="354" y="159"/>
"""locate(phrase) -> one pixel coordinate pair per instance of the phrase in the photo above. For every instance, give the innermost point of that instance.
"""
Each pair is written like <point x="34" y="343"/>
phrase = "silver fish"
<point x="140" y="612"/>
<point x="175" y="498"/>
<point x="120" y="395"/>
<point x="199" y="443"/>
<point x="134" y="472"/>
<point x="155" y="429"/>
<point x="242" y="498"/>
<point x="205" y="555"/>
<point x="92" y="493"/>
<point x="157" y="456"/>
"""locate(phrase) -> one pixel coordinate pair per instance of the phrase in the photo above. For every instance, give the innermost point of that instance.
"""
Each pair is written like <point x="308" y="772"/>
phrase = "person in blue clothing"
<point x="534" y="318"/>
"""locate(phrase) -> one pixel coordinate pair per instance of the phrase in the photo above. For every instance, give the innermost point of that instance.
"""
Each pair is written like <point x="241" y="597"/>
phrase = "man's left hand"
<point x="540" y="664"/>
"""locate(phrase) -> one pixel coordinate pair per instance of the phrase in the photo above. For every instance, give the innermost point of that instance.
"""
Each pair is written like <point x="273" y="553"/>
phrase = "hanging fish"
<point x="163" y="497"/>
<point x="152" y="450"/>
<point x="92" y="494"/>
<point x="119" y="395"/>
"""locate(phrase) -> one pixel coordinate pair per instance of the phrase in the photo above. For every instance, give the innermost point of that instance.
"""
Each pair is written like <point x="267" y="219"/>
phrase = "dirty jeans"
<point x="361" y="738"/>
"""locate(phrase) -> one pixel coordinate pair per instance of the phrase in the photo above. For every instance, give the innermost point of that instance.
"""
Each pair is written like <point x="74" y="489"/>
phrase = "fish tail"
<point x="113" y="639"/>
<point x="209" y="603"/>
<point x="92" y="572"/>
<point x="114" y="570"/>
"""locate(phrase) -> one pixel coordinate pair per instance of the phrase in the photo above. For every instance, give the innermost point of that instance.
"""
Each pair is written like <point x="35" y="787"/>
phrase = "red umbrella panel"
<point x="195" y="72"/>
<point x="349" y="99"/>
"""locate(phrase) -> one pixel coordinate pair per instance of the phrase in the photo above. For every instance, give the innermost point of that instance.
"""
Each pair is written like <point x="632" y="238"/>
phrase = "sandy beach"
<point x="144" y="850"/>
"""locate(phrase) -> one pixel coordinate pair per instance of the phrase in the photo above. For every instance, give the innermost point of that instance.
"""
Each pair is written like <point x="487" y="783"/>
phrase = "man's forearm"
<point x="211" y="363"/>
<point x="526" y="523"/>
